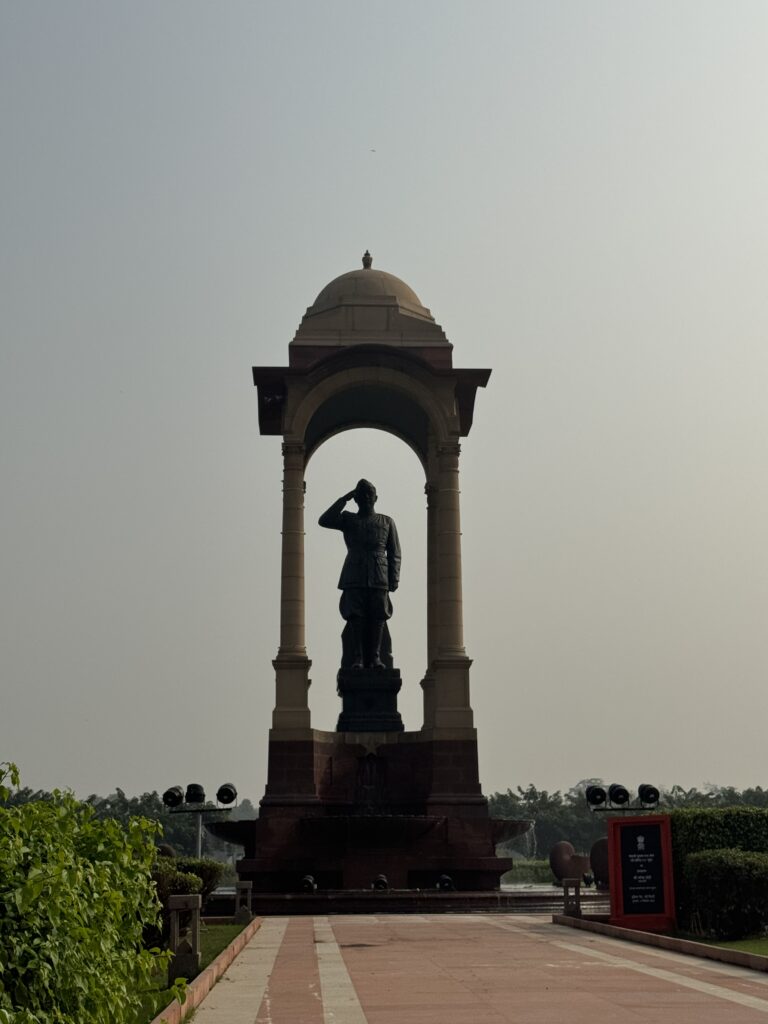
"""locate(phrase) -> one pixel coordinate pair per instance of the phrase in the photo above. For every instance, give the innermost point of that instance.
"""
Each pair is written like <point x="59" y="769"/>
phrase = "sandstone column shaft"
<point x="292" y="571"/>
<point x="428" y="682"/>
<point x="292" y="665"/>
<point x="451" y="619"/>
<point x="450" y="666"/>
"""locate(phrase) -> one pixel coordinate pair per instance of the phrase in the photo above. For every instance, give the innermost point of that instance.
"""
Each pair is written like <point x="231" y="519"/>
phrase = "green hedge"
<point x="728" y="891"/>
<point x="170" y="880"/>
<point x="75" y="896"/>
<point x="208" y="871"/>
<point x="698" y="829"/>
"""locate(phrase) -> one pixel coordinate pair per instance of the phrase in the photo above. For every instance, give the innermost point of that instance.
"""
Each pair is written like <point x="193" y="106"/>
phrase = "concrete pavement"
<point x="470" y="969"/>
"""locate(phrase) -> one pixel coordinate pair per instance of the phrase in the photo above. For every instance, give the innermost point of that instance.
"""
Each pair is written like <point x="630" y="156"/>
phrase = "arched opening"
<point x="399" y="478"/>
<point x="365" y="405"/>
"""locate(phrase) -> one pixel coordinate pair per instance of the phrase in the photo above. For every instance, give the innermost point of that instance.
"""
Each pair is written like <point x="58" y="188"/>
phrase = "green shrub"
<point x="728" y="890"/>
<point x="75" y="896"/>
<point x="170" y="880"/>
<point x="698" y="829"/>
<point x="208" y="871"/>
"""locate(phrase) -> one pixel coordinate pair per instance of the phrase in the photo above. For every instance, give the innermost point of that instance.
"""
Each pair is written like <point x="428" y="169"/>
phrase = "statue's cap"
<point x="364" y="485"/>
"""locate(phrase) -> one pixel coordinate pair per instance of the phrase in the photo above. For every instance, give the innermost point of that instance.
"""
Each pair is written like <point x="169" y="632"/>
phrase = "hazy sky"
<point x="579" y="193"/>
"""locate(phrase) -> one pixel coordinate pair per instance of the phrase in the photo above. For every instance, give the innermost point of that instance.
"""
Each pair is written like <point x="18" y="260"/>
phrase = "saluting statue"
<point x="370" y="573"/>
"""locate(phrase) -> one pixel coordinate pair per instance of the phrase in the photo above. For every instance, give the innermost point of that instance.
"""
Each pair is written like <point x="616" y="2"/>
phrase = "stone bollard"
<point x="184" y="942"/>
<point x="243" y="906"/>
<point x="572" y="897"/>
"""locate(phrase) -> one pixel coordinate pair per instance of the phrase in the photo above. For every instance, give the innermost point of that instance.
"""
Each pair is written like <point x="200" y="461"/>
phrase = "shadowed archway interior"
<point x="370" y="406"/>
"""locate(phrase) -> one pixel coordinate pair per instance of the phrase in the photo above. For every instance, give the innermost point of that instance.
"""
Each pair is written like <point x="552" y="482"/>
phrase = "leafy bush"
<point x="75" y="896"/>
<point x="728" y="890"/>
<point x="723" y="828"/>
<point x="207" y="871"/>
<point x="171" y="881"/>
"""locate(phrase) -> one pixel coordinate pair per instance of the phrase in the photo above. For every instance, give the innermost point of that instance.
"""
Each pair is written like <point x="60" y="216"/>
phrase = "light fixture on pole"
<point x="193" y="802"/>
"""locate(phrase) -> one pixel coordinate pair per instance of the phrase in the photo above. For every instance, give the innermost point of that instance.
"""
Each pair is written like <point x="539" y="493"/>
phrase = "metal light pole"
<point x="193" y="802"/>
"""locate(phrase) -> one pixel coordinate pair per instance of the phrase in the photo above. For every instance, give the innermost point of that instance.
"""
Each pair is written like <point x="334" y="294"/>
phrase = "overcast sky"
<point x="577" y="191"/>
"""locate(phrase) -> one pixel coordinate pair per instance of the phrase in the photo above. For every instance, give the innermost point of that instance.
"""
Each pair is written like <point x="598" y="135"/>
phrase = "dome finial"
<point x="367" y="260"/>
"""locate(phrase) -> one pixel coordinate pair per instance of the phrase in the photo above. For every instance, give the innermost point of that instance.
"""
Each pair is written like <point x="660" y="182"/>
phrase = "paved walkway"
<point x="470" y="969"/>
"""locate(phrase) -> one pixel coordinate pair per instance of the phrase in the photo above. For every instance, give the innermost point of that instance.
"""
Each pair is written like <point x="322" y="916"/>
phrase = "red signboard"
<point x="640" y="872"/>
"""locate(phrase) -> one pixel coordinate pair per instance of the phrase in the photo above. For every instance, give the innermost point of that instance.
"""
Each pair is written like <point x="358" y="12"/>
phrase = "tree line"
<point x="179" y="830"/>
<point x="565" y="815"/>
<point x="557" y="815"/>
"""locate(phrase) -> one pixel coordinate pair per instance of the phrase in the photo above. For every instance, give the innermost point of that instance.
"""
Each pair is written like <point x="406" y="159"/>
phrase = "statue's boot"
<point x="357" y="643"/>
<point x="377" y="634"/>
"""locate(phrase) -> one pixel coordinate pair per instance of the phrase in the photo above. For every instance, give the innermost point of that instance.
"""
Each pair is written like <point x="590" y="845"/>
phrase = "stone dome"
<point x="367" y="286"/>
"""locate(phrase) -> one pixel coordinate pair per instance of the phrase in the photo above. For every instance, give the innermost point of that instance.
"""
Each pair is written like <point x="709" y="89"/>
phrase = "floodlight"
<point x="618" y="794"/>
<point x="173" y="797"/>
<point x="195" y="794"/>
<point x="308" y="884"/>
<point x="649" y="795"/>
<point x="380" y="883"/>
<point x="596" y="796"/>
<point x="226" y="794"/>
<point x="445" y="883"/>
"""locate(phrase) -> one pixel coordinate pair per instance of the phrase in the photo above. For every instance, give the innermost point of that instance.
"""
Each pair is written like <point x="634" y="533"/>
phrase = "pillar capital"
<point x="448" y="451"/>
<point x="294" y="452"/>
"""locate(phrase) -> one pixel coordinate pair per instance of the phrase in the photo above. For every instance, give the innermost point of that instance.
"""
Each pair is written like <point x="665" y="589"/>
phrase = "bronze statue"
<point x="370" y="573"/>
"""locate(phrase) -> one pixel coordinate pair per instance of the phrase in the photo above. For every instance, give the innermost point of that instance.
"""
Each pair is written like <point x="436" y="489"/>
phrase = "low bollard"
<point x="243" y="904"/>
<point x="572" y="897"/>
<point x="184" y="940"/>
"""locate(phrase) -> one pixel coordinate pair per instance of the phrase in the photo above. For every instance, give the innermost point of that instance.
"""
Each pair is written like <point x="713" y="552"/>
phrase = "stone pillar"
<point x="291" y="664"/>
<point x="428" y="682"/>
<point x="450" y="664"/>
<point x="451" y="629"/>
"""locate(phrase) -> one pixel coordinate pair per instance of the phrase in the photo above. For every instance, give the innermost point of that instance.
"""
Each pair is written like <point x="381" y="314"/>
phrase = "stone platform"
<point x="345" y="807"/>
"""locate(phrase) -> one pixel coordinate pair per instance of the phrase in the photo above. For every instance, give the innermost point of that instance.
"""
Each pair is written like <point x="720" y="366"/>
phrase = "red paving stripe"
<point x="292" y="995"/>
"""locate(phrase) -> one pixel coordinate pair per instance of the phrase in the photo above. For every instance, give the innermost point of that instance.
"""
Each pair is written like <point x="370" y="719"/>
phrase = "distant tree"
<point x="244" y="810"/>
<point x="556" y="817"/>
<point x="179" y="830"/>
<point x="566" y="816"/>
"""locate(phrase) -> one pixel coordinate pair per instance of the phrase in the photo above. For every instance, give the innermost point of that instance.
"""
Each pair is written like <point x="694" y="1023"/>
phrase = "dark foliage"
<point x="179" y="830"/>
<point x="712" y="828"/>
<point x="728" y="890"/>
<point x="556" y="817"/>
<point x="207" y="871"/>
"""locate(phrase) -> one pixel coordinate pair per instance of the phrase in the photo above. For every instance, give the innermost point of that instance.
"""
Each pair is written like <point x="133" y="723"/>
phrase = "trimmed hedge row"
<point x="721" y="833"/>
<point x="728" y="890"/>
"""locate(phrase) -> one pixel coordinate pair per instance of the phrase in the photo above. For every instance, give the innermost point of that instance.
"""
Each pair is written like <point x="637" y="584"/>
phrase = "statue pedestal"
<point x="369" y="700"/>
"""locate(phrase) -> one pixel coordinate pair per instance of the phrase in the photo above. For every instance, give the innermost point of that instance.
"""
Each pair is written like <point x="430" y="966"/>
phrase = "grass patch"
<point x="757" y="945"/>
<point x="529" y="871"/>
<point x="214" y="939"/>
